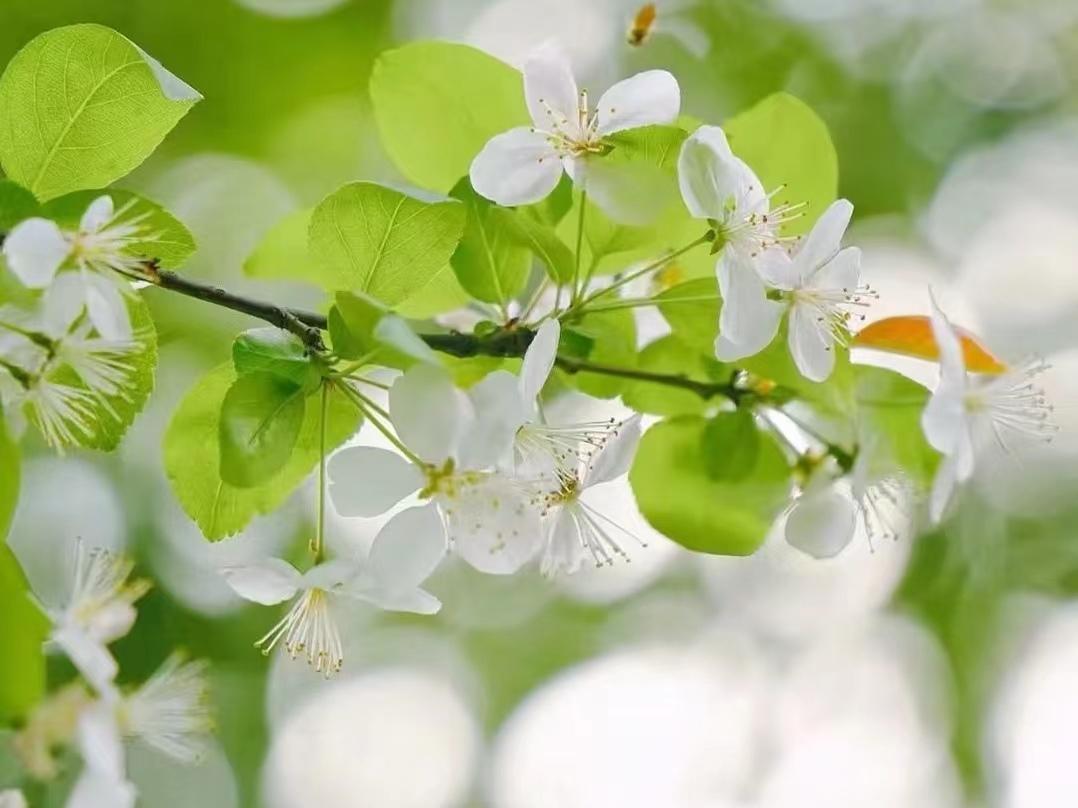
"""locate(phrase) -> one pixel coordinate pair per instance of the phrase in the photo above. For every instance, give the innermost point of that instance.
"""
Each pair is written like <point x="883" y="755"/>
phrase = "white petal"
<point x="943" y="488"/>
<point x="329" y="575"/>
<point x="407" y="549"/>
<point x="429" y="414"/>
<point x="63" y="302"/>
<point x="748" y="321"/>
<point x="563" y="552"/>
<point x="34" y="250"/>
<point x="821" y="523"/>
<point x="99" y="739"/>
<point x="394" y="331"/>
<point x="539" y="360"/>
<point x="517" y="167"/>
<point x="550" y="90"/>
<point x="492" y="526"/>
<point x="368" y="481"/>
<point x="98" y="215"/>
<point x="647" y="98"/>
<point x="268" y="581"/>
<point x="89" y="656"/>
<point x="416" y="601"/>
<point x="944" y="419"/>
<point x="952" y="361"/>
<point x="775" y="267"/>
<point x="811" y="344"/>
<point x="112" y="621"/>
<point x="500" y="411"/>
<point x="106" y="306"/>
<point x="841" y="272"/>
<point x="616" y="455"/>
<point x="709" y="174"/>
<point x="825" y="238"/>
<point x="96" y="790"/>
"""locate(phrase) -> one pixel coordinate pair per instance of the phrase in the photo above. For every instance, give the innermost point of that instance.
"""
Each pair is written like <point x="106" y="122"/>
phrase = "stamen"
<point x="308" y="629"/>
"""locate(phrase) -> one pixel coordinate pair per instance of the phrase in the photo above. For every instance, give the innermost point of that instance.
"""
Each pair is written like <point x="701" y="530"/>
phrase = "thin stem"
<point x="577" y="291"/>
<point x="705" y="390"/>
<point x="320" y="534"/>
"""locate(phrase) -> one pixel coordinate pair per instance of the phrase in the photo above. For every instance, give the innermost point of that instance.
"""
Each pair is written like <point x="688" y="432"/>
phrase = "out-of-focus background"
<point x="939" y="670"/>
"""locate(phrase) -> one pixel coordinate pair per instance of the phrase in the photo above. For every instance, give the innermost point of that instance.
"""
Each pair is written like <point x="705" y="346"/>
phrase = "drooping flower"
<point x="405" y="552"/>
<point x="487" y="515"/>
<point x="965" y="412"/>
<point x="99" y="610"/>
<point x="577" y="530"/>
<point x="99" y="252"/>
<point x="523" y="165"/>
<point x="103" y="781"/>
<point x="819" y="285"/>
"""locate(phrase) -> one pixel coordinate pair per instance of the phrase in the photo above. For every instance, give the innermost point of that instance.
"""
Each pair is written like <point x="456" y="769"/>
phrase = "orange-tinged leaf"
<point x="911" y="335"/>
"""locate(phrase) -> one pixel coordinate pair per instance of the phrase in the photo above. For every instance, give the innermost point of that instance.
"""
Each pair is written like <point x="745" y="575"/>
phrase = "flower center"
<point x="561" y="450"/>
<point x="573" y="137"/>
<point x="1014" y="403"/>
<point x="308" y="629"/>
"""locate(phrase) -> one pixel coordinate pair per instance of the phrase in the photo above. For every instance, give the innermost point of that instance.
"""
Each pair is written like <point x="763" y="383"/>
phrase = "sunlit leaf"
<point x="489" y="262"/>
<point x="23" y="627"/>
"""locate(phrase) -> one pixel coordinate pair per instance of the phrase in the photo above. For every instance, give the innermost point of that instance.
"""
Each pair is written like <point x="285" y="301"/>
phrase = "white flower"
<point x="488" y="516"/>
<point x="819" y="285"/>
<point x="523" y="165"/>
<point x="576" y="529"/>
<point x="12" y="798"/>
<point x="103" y="781"/>
<point x="508" y="415"/>
<point x="37" y="248"/>
<point x="405" y="552"/>
<point x="99" y="610"/>
<point x="966" y="412"/>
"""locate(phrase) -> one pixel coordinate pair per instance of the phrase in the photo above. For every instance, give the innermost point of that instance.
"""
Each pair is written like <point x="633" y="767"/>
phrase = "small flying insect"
<point x="645" y="24"/>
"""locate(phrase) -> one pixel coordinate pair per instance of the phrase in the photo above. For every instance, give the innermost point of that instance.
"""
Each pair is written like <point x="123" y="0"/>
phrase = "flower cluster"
<point x="170" y="711"/>
<point x="67" y="350"/>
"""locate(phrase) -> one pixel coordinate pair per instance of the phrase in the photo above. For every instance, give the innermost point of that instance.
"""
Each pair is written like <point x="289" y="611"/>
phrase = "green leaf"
<point x="613" y="342"/>
<point x="443" y="293"/>
<point x="552" y="210"/>
<point x="16" y="204"/>
<point x="111" y="415"/>
<point x="82" y="106"/>
<point x="9" y="480"/>
<point x="271" y="350"/>
<point x="167" y="239"/>
<point x="656" y="145"/>
<point x="488" y="262"/>
<point x="283" y="254"/>
<point x="261" y="417"/>
<point x="889" y="408"/>
<point x="671" y="355"/>
<point x="23" y="627"/>
<point x="786" y="143"/>
<point x="360" y="326"/>
<point x="731" y="445"/>
<point x="381" y="242"/>
<point x="543" y="242"/>
<point x="193" y="457"/>
<point x="437" y="104"/>
<point x="692" y="310"/>
<point x="679" y="498"/>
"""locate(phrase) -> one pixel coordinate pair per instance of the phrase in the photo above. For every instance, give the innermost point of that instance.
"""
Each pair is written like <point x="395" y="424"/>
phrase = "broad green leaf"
<point x="692" y="310"/>
<point x="283" y="253"/>
<point x="437" y="104"/>
<point x="193" y="462"/>
<point x="381" y="242"/>
<point x="488" y="262"/>
<point x="889" y="408"/>
<point x="543" y="242"/>
<point x="16" y="204"/>
<point x="271" y="350"/>
<point x="9" y="477"/>
<point x="442" y="294"/>
<point x="680" y="499"/>
<point x="23" y="627"/>
<point x="261" y="417"/>
<point x="82" y="106"/>
<point x="552" y="210"/>
<point x="111" y="415"/>
<point x="362" y="327"/>
<point x="731" y="444"/>
<point x="671" y="355"/>
<point x="613" y="343"/>
<point x="787" y="144"/>
<point x="165" y="237"/>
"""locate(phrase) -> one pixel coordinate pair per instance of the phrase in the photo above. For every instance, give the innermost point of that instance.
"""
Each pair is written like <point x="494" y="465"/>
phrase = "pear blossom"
<point x="523" y="165"/>
<point x="508" y="415"/>
<point x="966" y="412"/>
<point x="819" y="286"/>
<point x="487" y="516"/>
<point x="12" y="798"/>
<point x="99" y="251"/>
<point x="575" y="529"/>
<point x="100" y="609"/>
<point x="405" y="552"/>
